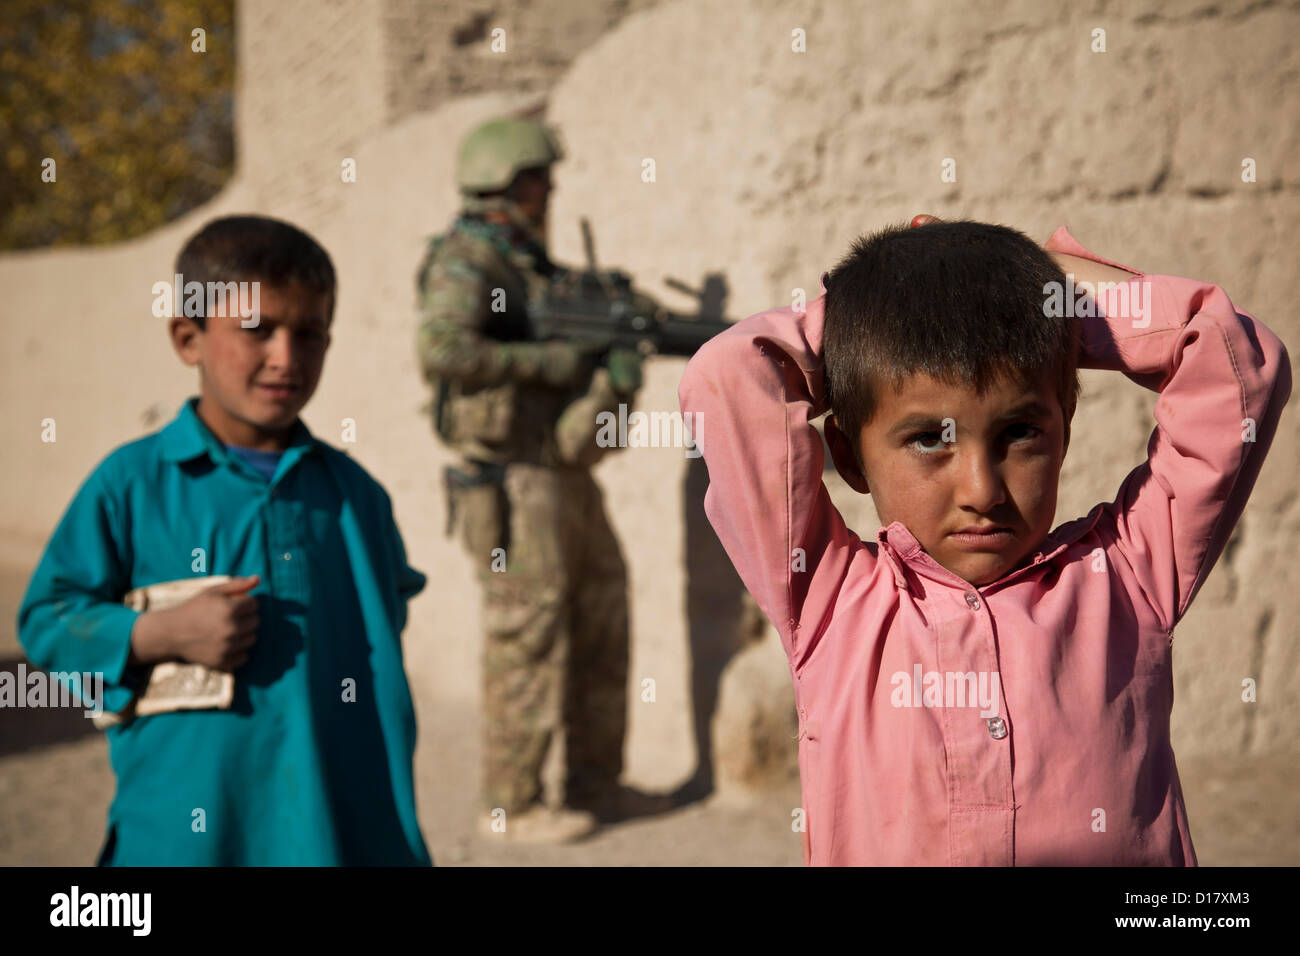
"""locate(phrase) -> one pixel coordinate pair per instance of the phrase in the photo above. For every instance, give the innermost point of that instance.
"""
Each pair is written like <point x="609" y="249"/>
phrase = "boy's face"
<point x="999" y="468"/>
<point x="254" y="381"/>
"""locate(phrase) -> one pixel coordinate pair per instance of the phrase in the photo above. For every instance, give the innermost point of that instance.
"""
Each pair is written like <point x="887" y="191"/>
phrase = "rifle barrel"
<point x="684" y="336"/>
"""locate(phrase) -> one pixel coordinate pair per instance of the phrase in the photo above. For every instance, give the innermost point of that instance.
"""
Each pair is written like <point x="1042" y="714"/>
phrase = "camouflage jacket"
<point x="499" y="395"/>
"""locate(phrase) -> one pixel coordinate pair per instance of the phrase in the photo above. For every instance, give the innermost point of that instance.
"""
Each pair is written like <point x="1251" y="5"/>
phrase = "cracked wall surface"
<point x="768" y="163"/>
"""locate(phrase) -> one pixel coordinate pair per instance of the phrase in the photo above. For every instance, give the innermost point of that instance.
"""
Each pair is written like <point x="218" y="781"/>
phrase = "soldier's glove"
<point x="624" y="367"/>
<point x="568" y="364"/>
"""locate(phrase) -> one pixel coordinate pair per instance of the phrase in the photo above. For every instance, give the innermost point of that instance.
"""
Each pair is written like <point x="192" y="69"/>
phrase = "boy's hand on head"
<point x="1083" y="270"/>
<point x="215" y="628"/>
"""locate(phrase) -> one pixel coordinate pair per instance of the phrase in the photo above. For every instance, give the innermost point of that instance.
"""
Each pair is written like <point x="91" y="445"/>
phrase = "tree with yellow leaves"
<point x="116" y="116"/>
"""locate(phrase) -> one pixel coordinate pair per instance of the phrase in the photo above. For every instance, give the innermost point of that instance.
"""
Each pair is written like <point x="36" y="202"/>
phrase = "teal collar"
<point x="187" y="437"/>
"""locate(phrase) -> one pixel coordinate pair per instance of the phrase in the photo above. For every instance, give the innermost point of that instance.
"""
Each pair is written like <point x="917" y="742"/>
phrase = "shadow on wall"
<point x="714" y="611"/>
<point x="722" y="619"/>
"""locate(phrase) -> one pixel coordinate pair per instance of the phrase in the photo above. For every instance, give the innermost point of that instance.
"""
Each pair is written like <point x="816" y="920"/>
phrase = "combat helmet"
<point x="495" y="152"/>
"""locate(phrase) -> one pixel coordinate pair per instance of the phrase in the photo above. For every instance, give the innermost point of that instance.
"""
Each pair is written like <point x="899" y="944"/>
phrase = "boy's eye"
<point x="927" y="443"/>
<point x="922" y="437"/>
<point x="1033" y="431"/>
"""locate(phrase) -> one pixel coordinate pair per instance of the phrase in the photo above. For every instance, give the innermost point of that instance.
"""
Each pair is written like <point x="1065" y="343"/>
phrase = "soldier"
<point x="521" y="414"/>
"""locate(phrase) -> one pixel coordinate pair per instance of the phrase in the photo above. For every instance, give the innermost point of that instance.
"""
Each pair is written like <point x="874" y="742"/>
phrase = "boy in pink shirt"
<point x="973" y="687"/>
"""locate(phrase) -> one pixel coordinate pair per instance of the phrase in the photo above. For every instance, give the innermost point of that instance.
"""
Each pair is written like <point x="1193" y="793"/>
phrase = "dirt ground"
<point x="55" y="799"/>
<point x="55" y="788"/>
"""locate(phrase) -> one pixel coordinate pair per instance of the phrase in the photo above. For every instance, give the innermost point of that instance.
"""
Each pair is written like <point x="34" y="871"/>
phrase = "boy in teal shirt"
<point x="312" y="762"/>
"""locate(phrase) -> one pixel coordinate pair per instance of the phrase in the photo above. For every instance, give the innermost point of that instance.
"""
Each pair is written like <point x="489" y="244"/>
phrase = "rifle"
<point x="600" y="310"/>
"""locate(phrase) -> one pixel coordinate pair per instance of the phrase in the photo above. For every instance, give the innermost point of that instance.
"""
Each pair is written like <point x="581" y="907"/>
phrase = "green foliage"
<point x="139" y="125"/>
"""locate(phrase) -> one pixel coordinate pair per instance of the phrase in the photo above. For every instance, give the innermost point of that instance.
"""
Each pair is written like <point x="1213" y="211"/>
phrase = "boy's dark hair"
<point x="960" y="301"/>
<point x="256" y="249"/>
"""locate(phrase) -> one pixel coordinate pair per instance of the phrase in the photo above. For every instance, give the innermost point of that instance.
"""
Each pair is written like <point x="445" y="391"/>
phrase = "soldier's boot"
<point x="540" y="824"/>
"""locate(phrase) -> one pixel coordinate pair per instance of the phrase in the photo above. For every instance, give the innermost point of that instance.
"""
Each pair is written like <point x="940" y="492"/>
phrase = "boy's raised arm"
<point x="1223" y="379"/>
<point x="748" y="397"/>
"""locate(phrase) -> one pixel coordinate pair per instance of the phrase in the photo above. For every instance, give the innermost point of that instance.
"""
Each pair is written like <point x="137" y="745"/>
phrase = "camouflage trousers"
<point x="555" y="619"/>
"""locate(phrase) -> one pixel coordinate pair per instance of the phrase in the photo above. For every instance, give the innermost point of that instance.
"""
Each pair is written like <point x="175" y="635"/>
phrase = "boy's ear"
<point x="1066" y="421"/>
<point x="846" y="462"/>
<point x="184" y="333"/>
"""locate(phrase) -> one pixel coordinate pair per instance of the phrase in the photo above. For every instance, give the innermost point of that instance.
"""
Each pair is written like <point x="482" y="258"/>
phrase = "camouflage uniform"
<point x="522" y="416"/>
